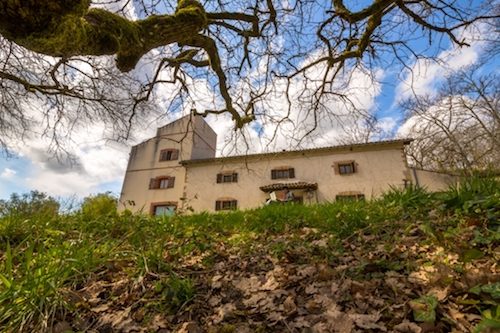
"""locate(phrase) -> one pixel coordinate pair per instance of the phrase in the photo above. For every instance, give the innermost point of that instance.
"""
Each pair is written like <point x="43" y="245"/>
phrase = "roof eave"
<point x="293" y="152"/>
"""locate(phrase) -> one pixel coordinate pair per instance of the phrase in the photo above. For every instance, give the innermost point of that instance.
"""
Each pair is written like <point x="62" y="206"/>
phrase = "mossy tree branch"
<point x="219" y="45"/>
<point x="69" y="28"/>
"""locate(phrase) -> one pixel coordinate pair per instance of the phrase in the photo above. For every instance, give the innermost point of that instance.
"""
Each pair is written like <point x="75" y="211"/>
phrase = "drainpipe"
<point x="415" y="176"/>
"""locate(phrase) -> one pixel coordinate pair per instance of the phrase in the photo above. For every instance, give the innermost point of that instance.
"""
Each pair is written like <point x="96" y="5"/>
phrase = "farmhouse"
<point x="177" y="171"/>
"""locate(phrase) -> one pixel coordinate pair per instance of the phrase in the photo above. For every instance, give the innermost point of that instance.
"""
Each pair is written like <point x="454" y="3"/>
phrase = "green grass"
<point x="43" y="257"/>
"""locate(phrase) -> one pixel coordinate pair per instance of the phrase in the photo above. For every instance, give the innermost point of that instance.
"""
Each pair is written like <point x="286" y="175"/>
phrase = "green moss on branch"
<point x="78" y="30"/>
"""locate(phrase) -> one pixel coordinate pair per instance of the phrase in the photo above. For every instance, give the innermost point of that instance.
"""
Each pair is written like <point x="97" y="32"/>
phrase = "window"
<point x="350" y="197"/>
<point x="163" y="208"/>
<point x="345" y="168"/>
<point x="227" y="177"/>
<point x="169" y="155"/>
<point x="161" y="182"/>
<point x="226" y="204"/>
<point x="283" y="173"/>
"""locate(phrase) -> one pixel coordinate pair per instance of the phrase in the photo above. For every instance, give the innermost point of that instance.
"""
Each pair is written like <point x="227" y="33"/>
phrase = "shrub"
<point x="99" y="205"/>
<point x="26" y="215"/>
<point x="29" y="205"/>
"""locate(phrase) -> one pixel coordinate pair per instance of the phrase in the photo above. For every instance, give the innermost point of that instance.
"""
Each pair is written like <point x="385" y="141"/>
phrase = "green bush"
<point x="26" y="215"/>
<point x="29" y="205"/>
<point x="99" y="205"/>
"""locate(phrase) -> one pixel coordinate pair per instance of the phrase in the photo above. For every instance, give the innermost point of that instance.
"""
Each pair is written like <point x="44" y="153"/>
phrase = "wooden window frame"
<point x="283" y="173"/>
<point x="350" y="197"/>
<point x="169" y="154"/>
<point x="153" y="206"/>
<point x="158" y="182"/>
<point x="339" y="168"/>
<point x="227" y="177"/>
<point x="226" y="204"/>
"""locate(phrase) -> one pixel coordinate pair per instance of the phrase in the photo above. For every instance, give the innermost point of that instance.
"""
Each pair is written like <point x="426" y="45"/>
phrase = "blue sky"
<point x="99" y="165"/>
<point x="19" y="175"/>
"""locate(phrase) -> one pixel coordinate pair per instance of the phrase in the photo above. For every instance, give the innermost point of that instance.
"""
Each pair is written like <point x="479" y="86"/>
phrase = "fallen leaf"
<point x="439" y="293"/>
<point x="224" y="312"/>
<point x="408" y="327"/>
<point x="311" y="289"/>
<point x="100" y="308"/>
<point x="271" y="284"/>
<point x="306" y="271"/>
<point x="289" y="305"/>
<point x="367" y="321"/>
<point x="190" y="327"/>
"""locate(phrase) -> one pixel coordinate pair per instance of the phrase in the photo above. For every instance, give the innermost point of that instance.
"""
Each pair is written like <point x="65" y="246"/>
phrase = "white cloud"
<point x="426" y="73"/>
<point x="387" y="124"/>
<point x="97" y="161"/>
<point x="94" y="163"/>
<point x="8" y="173"/>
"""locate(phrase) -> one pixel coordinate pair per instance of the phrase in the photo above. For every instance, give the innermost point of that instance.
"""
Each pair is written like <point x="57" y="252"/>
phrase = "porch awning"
<point x="291" y="186"/>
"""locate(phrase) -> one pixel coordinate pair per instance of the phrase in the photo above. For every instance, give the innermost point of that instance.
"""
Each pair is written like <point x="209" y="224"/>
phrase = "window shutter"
<point x="354" y="167"/>
<point x="273" y="174"/>
<point x="336" y="168"/>
<point x="171" y="182"/>
<point x="217" y="205"/>
<point x="219" y="178"/>
<point x="175" y="154"/>
<point x="152" y="183"/>
<point x="234" y="204"/>
<point x="291" y="173"/>
<point x="235" y="177"/>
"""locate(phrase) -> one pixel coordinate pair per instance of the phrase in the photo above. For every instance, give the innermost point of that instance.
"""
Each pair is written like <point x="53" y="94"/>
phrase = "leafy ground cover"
<point x="408" y="262"/>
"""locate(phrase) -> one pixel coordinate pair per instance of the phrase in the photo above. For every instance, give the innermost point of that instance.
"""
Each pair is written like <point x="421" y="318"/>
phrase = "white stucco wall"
<point x="191" y="136"/>
<point x="432" y="181"/>
<point x="378" y="167"/>
<point x="377" y="170"/>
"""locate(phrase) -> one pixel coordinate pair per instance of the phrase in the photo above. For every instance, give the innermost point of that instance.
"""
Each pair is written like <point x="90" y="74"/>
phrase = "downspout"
<point x="417" y="183"/>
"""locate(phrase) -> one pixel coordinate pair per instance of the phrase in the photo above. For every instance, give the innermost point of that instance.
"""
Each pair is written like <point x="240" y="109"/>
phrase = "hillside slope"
<point x="409" y="262"/>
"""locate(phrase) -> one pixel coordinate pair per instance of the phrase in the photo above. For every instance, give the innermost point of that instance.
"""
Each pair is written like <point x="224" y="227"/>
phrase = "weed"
<point x="174" y="292"/>
<point x="412" y="199"/>
<point x="475" y="196"/>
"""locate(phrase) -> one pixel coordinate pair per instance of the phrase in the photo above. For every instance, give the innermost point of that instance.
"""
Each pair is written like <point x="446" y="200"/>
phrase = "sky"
<point x="100" y="164"/>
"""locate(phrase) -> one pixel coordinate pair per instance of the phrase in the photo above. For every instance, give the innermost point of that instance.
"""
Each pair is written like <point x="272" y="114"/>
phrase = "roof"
<point x="292" y="186"/>
<point x="375" y="145"/>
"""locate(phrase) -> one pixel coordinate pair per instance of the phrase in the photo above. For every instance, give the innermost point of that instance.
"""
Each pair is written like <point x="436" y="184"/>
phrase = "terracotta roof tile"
<point x="294" y="152"/>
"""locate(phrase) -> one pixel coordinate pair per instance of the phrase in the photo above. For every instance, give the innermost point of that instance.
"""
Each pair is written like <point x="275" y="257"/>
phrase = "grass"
<point x="45" y="256"/>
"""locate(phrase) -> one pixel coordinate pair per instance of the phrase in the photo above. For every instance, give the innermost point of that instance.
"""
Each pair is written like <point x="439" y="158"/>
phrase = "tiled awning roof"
<point x="291" y="186"/>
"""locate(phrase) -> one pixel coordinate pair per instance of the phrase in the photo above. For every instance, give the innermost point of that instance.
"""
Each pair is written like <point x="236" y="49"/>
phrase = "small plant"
<point x="175" y="292"/>
<point x="32" y="277"/>
<point x="411" y="198"/>
<point x="475" y="195"/>
<point x="424" y="308"/>
<point x="490" y="309"/>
